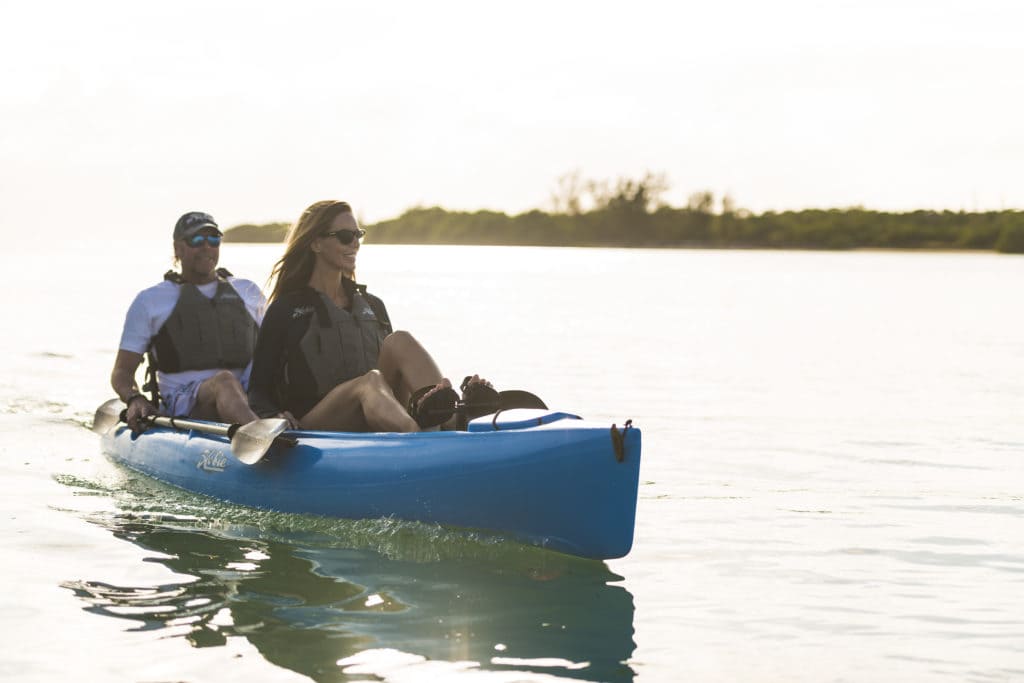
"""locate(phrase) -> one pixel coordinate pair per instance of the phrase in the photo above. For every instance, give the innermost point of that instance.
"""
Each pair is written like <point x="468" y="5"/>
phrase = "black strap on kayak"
<point x="151" y="384"/>
<point x="494" y="422"/>
<point x="619" y="440"/>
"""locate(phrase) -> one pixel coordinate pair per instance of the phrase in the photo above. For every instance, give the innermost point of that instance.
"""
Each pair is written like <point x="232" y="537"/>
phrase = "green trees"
<point x="630" y="212"/>
<point x="269" y="232"/>
<point x="1011" y="232"/>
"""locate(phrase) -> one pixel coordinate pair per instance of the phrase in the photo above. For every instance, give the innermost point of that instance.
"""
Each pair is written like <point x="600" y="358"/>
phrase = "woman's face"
<point x="331" y="246"/>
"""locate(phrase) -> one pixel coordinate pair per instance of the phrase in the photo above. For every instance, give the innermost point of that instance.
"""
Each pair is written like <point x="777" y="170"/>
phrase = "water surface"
<point x="830" y="490"/>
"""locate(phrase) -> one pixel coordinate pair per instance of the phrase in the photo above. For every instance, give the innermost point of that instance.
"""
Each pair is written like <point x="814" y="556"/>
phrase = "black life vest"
<point x="340" y="345"/>
<point x="205" y="334"/>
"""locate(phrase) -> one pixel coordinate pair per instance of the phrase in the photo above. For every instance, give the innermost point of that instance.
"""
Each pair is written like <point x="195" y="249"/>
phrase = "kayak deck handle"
<point x="619" y="440"/>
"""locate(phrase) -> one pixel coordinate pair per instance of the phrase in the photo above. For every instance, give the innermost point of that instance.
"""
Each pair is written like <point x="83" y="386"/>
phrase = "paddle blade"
<point x="107" y="416"/>
<point x="517" y="398"/>
<point x="252" y="441"/>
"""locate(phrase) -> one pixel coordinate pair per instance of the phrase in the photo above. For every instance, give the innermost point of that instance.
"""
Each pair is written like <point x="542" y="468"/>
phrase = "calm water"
<point x="832" y="485"/>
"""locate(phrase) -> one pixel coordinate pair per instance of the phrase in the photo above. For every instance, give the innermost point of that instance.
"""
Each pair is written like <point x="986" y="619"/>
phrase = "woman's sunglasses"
<point x="197" y="240"/>
<point x="345" y="236"/>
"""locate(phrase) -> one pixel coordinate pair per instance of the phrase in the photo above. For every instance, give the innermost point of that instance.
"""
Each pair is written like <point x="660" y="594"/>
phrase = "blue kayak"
<point x="541" y="477"/>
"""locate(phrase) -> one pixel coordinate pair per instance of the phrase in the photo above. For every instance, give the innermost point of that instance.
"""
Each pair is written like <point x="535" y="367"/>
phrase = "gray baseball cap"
<point x="192" y="222"/>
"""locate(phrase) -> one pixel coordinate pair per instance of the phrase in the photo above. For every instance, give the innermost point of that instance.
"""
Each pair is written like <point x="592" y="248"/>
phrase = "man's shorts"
<point x="183" y="400"/>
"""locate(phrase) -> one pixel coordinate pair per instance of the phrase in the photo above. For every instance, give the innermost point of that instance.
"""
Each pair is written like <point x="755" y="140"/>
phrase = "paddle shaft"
<point x="185" y="423"/>
<point x="228" y="430"/>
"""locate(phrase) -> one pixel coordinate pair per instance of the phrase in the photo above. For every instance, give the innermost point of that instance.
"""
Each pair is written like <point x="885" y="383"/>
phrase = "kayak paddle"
<point x="249" y="442"/>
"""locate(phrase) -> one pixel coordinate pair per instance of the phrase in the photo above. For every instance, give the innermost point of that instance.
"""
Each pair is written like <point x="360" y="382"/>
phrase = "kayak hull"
<point x="538" y="477"/>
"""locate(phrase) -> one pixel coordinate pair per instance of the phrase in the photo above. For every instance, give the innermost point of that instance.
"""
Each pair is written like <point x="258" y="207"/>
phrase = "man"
<point x="199" y="328"/>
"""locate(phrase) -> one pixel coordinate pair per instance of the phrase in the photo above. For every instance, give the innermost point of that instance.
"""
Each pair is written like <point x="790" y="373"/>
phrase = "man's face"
<point x="198" y="257"/>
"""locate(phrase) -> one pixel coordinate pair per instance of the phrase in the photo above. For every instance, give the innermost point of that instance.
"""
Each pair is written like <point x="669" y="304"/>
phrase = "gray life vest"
<point x="205" y="334"/>
<point x="338" y="345"/>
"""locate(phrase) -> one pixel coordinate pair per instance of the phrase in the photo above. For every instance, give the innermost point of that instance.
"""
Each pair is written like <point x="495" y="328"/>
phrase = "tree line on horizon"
<point x="630" y="213"/>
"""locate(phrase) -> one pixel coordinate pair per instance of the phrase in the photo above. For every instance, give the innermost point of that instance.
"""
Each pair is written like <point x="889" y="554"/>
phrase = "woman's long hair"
<point x="294" y="269"/>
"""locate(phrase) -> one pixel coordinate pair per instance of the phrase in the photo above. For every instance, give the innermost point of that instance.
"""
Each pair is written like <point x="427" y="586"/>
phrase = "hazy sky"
<point x="122" y="115"/>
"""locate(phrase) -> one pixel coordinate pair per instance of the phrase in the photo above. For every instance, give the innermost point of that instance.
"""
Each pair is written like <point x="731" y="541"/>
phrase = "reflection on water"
<point x="305" y="604"/>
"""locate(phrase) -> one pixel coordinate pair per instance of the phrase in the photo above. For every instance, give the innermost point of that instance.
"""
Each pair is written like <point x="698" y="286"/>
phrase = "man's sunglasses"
<point x="345" y="236"/>
<point x="197" y="240"/>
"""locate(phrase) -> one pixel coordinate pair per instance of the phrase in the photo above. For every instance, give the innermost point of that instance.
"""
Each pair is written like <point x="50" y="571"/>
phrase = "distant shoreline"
<point x="623" y="225"/>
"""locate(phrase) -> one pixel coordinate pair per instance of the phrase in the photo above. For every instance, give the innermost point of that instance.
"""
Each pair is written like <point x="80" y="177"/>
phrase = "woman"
<point x="326" y="357"/>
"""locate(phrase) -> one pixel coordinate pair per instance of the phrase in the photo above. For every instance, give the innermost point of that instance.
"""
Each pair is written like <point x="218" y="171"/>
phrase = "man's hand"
<point x="138" y="409"/>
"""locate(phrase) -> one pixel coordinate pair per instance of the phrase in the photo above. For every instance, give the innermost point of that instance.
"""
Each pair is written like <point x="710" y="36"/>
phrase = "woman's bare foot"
<point x="478" y="398"/>
<point x="472" y="381"/>
<point x="432" y="406"/>
<point x="445" y="383"/>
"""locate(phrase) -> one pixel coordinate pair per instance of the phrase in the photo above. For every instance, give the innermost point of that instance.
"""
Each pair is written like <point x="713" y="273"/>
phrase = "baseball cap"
<point x="192" y="222"/>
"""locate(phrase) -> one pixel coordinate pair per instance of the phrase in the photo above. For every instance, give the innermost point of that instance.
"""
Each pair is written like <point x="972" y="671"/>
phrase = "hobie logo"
<point x="212" y="461"/>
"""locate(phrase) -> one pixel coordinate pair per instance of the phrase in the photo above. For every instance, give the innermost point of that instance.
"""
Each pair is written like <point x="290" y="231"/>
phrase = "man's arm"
<point x="122" y="379"/>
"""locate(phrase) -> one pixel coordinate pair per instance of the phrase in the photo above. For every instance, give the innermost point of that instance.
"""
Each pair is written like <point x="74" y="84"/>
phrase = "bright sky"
<point x="123" y="115"/>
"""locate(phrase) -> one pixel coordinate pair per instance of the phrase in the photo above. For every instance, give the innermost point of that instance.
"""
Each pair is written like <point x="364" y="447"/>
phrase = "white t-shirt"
<point x="153" y="306"/>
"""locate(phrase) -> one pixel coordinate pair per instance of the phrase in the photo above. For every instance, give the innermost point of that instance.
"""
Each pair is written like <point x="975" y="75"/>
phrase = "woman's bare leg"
<point x="362" y="403"/>
<point x="406" y="365"/>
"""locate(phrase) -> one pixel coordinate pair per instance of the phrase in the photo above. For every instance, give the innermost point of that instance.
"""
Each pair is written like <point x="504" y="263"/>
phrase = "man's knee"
<point x="225" y="381"/>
